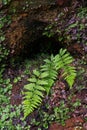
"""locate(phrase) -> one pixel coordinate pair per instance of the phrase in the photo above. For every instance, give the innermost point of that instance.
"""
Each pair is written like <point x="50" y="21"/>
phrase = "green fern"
<point x="43" y="79"/>
<point x="63" y="61"/>
<point x="49" y="69"/>
<point x="34" y="94"/>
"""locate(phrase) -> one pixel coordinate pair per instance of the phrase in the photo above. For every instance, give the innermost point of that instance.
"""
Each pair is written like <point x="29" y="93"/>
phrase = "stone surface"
<point x="28" y="21"/>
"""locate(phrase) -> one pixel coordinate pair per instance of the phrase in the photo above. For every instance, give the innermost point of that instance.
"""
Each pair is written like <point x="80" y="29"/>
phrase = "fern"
<point x="49" y="68"/>
<point x="43" y="79"/>
<point x="63" y="61"/>
<point x="34" y="93"/>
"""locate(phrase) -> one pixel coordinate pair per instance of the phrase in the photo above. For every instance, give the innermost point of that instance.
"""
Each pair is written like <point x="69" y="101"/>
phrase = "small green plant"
<point x="43" y="79"/>
<point x="4" y="20"/>
<point x="5" y="2"/>
<point x="77" y="103"/>
<point x="48" y="31"/>
<point x="45" y="120"/>
<point x="5" y="110"/>
<point x="16" y="79"/>
<point x="3" y="53"/>
<point x="7" y="115"/>
<point x="3" y="56"/>
<point x="85" y="118"/>
<point x="8" y="112"/>
<point x="61" y="113"/>
<point x="58" y="114"/>
<point x="82" y="12"/>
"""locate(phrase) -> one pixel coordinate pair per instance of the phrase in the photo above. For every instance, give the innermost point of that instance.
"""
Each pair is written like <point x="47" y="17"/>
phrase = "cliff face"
<point x="27" y="19"/>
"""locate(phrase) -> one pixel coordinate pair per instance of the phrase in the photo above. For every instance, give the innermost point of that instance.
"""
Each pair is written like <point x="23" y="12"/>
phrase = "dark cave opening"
<point x="41" y="45"/>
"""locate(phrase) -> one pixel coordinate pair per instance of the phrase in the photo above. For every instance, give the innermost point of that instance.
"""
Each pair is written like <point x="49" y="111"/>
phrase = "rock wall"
<point x="27" y="19"/>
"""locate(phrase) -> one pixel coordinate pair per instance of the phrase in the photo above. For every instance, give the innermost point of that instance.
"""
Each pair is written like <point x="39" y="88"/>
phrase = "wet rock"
<point x="30" y="19"/>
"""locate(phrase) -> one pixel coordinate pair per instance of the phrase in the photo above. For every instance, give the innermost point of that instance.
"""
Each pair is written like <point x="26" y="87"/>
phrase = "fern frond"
<point x="34" y="93"/>
<point x="49" y="69"/>
<point x="63" y="61"/>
